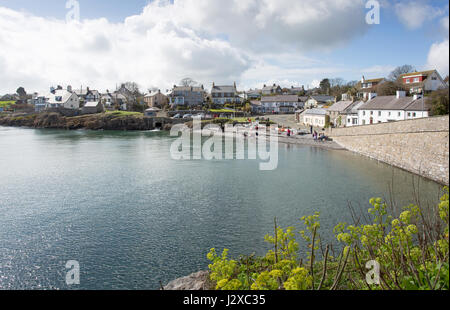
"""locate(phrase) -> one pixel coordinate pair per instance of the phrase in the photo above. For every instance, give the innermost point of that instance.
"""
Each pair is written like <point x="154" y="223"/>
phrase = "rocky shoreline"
<point x="102" y="121"/>
<point x="122" y="122"/>
<point x="198" y="281"/>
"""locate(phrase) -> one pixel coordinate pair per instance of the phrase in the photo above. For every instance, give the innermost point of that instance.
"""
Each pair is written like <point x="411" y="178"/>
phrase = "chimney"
<point x="69" y="88"/>
<point x="401" y="94"/>
<point x="265" y="85"/>
<point x="363" y="80"/>
<point x="52" y="89"/>
<point x="417" y="96"/>
<point x="371" y="96"/>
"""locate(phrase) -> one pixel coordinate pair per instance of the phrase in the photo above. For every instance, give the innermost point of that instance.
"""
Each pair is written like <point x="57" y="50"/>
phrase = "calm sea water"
<point x="117" y="203"/>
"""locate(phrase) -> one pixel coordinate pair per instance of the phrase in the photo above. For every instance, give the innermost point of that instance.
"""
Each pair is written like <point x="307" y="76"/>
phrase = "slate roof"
<point x="316" y="111"/>
<point x="223" y="89"/>
<point x="63" y="93"/>
<point x="392" y="103"/>
<point x="322" y="98"/>
<point x="340" y="106"/>
<point x="281" y="98"/>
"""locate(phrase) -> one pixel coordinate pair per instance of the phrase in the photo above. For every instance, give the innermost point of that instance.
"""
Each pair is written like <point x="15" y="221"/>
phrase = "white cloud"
<point x="208" y="40"/>
<point x="414" y="14"/>
<point x="438" y="57"/>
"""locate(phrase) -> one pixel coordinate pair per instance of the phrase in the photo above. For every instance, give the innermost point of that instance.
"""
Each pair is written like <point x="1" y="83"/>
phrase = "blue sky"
<point x="221" y="41"/>
<point x="114" y="10"/>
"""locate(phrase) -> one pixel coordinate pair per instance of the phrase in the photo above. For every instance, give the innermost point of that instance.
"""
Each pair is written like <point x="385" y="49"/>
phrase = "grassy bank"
<point x="404" y="252"/>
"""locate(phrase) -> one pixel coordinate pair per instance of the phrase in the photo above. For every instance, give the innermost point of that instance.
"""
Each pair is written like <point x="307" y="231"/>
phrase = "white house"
<point x="281" y="104"/>
<point x="315" y="117"/>
<point x="62" y="98"/>
<point x="351" y="114"/>
<point x="385" y="109"/>
<point x="319" y="101"/>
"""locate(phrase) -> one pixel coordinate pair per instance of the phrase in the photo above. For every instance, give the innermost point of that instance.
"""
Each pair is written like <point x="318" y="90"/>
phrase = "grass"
<point x="124" y="113"/>
<point x="222" y="111"/>
<point x="5" y="104"/>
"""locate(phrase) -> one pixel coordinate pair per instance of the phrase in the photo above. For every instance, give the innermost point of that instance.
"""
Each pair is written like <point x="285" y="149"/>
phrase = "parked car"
<point x="178" y="116"/>
<point x="187" y="116"/>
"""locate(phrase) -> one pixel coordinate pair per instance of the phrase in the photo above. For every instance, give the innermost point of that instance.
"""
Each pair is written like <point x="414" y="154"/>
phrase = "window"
<point x="434" y="78"/>
<point x="399" y="114"/>
<point x="414" y="114"/>
<point x="371" y="112"/>
<point x="390" y="113"/>
<point x="364" y="113"/>
<point x="408" y="81"/>
<point x="379" y="113"/>
<point x="409" y="114"/>
<point x="416" y="80"/>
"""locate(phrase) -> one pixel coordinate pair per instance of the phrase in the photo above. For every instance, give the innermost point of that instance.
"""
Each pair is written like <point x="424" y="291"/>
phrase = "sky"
<point x="251" y="42"/>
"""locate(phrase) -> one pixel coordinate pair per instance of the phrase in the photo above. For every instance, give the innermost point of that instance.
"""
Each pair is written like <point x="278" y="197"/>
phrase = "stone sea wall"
<point x="420" y="146"/>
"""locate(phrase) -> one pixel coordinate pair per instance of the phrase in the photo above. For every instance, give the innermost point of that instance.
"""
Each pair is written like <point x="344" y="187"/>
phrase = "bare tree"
<point x="188" y="82"/>
<point x="400" y="71"/>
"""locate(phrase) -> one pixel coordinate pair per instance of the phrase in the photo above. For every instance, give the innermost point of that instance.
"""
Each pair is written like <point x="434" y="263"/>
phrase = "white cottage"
<point x="62" y="98"/>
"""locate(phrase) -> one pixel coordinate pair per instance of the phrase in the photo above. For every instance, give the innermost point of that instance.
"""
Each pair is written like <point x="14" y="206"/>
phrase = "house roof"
<point x="420" y="105"/>
<point x="223" y="89"/>
<point x="353" y="108"/>
<point x="389" y="103"/>
<point x="418" y="73"/>
<point x="316" y="111"/>
<point x="91" y="104"/>
<point x="189" y="88"/>
<point x="63" y="93"/>
<point x="281" y="98"/>
<point x="374" y="80"/>
<point x="340" y="106"/>
<point x="322" y="98"/>
<point x="271" y="87"/>
<point x="254" y="91"/>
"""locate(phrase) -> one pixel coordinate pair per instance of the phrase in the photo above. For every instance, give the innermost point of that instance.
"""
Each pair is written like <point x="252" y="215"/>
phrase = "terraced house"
<point x="385" y="109"/>
<point x="224" y="94"/>
<point x="281" y="104"/>
<point x="187" y="96"/>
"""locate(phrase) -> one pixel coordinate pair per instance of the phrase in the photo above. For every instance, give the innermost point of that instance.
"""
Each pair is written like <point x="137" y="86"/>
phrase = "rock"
<point x="195" y="282"/>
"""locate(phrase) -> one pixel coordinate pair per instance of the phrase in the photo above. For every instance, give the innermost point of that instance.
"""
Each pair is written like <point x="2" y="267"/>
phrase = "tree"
<point x="389" y="88"/>
<point x="440" y="102"/>
<point x="187" y="82"/>
<point x="21" y="92"/>
<point x="400" y="71"/>
<point x="325" y="86"/>
<point x="133" y="88"/>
